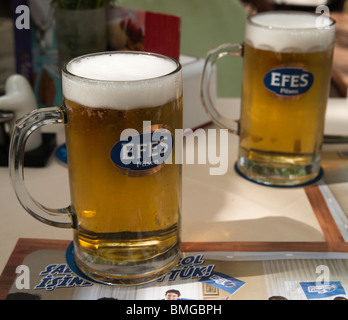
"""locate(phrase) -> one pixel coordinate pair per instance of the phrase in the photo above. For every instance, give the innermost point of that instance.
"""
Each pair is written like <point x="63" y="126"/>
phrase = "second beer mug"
<point x="120" y="112"/>
<point x="285" y="87"/>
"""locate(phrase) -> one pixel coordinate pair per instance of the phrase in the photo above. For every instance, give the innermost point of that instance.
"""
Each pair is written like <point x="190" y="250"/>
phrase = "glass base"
<point x="278" y="176"/>
<point x="125" y="274"/>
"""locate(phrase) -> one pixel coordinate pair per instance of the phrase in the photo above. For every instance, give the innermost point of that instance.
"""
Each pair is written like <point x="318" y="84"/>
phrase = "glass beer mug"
<point x="285" y="87"/>
<point x="120" y="111"/>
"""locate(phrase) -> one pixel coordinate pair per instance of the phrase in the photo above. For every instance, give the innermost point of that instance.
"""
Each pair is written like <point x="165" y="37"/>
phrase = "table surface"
<point x="234" y="215"/>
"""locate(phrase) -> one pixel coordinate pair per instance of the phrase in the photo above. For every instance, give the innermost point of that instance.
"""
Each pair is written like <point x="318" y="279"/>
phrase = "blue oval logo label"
<point x="288" y="82"/>
<point x="138" y="155"/>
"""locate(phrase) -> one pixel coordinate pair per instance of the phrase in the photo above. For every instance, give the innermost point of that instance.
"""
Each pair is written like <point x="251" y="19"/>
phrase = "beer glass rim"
<point x="303" y="13"/>
<point x="144" y="53"/>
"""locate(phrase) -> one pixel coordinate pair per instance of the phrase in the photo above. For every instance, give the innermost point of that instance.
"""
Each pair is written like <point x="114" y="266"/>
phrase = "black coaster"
<point x="34" y="158"/>
<point x="308" y="183"/>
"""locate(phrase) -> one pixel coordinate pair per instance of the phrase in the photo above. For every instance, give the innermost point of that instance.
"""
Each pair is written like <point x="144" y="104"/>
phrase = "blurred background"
<point x="205" y="24"/>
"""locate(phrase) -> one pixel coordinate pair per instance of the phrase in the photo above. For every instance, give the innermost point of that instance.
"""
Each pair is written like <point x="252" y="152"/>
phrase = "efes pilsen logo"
<point x="141" y="154"/>
<point x="288" y="82"/>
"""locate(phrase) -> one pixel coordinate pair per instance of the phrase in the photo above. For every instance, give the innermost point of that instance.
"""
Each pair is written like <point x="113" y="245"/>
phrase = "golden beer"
<point x="126" y="224"/>
<point x="286" y="80"/>
<point x="285" y="87"/>
<point x="120" y="111"/>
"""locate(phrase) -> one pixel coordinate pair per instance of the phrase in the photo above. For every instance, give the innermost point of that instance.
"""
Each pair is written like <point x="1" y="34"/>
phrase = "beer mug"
<point x="120" y="111"/>
<point x="285" y="87"/>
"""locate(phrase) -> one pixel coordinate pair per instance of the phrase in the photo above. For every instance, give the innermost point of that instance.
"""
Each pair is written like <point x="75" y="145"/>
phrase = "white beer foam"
<point x="290" y="32"/>
<point x="121" y="81"/>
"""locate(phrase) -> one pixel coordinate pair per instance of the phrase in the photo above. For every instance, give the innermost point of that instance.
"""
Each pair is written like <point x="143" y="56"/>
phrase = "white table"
<point x="213" y="205"/>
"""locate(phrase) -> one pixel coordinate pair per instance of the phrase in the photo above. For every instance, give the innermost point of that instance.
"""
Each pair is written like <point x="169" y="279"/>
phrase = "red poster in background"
<point x="162" y="34"/>
<point x="138" y="30"/>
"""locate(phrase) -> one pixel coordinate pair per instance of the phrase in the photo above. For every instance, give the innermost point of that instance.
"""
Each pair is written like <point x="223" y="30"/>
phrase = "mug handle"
<point x="212" y="57"/>
<point x="23" y="128"/>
